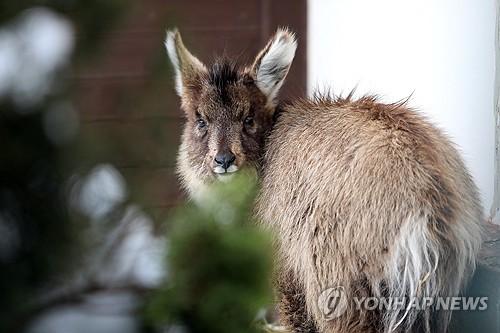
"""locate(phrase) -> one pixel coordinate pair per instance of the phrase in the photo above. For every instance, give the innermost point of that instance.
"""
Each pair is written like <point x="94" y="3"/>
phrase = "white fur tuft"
<point x="412" y="271"/>
<point x="415" y="270"/>
<point x="275" y="63"/>
<point x="174" y="58"/>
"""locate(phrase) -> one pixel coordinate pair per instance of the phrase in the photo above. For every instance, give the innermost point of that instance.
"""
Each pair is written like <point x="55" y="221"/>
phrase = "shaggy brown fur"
<point x="359" y="194"/>
<point x="292" y="304"/>
<point x="357" y="191"/>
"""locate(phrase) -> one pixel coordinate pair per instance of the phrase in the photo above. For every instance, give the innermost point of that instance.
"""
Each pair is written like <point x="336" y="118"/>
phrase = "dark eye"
<point x="201" y="123"/>
<point x="248" y="121"/>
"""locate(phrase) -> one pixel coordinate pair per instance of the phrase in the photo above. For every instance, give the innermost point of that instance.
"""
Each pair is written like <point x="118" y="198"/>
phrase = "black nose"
<point x="224" y="159"/>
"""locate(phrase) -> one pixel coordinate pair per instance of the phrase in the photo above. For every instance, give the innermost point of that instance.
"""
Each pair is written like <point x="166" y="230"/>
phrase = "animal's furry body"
<point x="373" y="198"/>
<point x="363" y="195"/>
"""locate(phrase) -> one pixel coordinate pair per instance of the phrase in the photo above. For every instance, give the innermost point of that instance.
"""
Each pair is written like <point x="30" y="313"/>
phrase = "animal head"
<point x="228" y="108"/>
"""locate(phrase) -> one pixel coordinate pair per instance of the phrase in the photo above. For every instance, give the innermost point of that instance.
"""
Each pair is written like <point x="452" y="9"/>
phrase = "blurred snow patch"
<point x="100" y="191"/>
<point x="132" y="253"/>
<point x="124" y="249"/>
<point x="124" y="259"/>
<point x="129" y="259"/>
<point x="32" y="49"/>
<point x="99" y="313"/>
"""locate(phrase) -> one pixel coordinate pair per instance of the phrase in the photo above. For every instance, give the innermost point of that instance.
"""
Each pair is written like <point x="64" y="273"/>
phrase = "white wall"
<point x="442" y="50"/>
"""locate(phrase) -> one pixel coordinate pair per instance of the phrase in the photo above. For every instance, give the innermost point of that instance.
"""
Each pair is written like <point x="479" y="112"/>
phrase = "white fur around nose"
<point x="221" y="170"/>
<point x="274" y="65"/>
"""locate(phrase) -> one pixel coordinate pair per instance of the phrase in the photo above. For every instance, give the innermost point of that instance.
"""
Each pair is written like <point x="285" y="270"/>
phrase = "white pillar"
<point x="442" y="51"/>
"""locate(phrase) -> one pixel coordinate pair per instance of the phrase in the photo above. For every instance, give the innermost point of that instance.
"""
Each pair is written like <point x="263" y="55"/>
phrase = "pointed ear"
<point x="188" y="69"/>
<point x="272" y="64"/>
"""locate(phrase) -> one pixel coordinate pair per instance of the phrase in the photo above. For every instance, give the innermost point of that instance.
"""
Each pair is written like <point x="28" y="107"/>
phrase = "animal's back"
<point x="370" y="197"/>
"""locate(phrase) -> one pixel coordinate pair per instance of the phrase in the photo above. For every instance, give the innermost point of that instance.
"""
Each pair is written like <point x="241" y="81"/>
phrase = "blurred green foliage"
<point x="218" y="265"/>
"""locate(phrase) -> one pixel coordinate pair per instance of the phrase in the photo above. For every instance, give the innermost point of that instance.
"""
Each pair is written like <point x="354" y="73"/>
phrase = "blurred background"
<point x="94" y="233"/>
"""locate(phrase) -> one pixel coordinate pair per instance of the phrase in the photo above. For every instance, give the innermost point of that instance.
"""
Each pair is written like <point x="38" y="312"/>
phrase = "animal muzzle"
<point x="224" y="163"/>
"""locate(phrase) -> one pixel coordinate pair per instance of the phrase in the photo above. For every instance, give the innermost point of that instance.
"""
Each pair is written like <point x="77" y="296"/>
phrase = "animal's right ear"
<point x="188" y="69"/>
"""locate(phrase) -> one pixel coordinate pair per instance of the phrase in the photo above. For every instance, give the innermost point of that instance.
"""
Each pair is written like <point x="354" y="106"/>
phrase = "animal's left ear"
<point x="272" y="64"/>
<point x="188" y="69"/>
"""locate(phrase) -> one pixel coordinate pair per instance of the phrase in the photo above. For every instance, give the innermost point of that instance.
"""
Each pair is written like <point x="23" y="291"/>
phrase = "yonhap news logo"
<point x="333" y="302"/>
